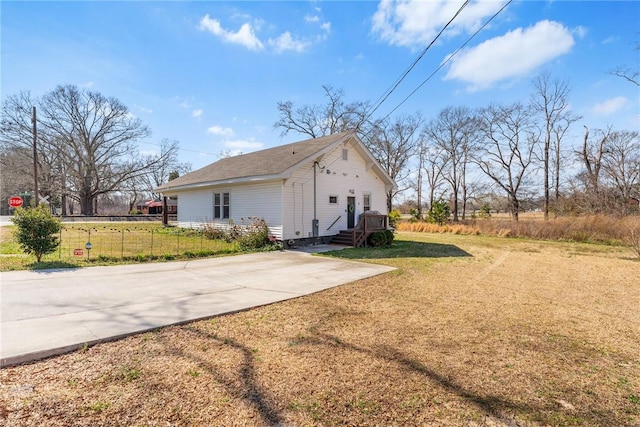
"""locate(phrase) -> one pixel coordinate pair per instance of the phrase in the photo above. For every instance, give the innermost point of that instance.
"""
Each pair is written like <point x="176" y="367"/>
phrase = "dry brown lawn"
<point x="468" y="331"/>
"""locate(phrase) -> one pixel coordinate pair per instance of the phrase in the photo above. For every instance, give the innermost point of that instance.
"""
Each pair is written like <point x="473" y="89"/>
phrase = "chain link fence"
<point x="111" y="242"/>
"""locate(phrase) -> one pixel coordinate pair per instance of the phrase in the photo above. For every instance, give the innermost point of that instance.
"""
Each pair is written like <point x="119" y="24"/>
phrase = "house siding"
<point x="345" y="178"/>
<point x="196" y="208"/>
<point x="262" y="200"/>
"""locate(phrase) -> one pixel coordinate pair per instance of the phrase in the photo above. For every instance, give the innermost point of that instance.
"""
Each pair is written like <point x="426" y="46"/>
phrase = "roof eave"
<point x="222" y="182"/>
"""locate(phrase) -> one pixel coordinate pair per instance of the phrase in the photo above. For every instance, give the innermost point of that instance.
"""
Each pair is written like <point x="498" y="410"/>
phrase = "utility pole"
<point x="35" y="159"/>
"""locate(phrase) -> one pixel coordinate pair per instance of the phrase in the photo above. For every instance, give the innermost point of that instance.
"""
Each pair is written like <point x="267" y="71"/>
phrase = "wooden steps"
<point x="345" y="238"/>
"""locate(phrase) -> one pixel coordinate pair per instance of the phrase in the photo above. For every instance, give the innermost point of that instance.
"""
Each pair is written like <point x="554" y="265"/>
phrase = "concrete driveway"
<point x="45" y="313"/>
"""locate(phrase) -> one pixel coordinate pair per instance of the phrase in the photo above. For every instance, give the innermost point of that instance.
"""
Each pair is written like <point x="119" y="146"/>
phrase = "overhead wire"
<point x="399" y="80"/>
<point x="445" y="62"/>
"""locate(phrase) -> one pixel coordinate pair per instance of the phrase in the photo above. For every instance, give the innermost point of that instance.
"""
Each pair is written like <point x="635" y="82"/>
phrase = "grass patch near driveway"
<point x="469" y="330"/>
<point x="114" y="244"/>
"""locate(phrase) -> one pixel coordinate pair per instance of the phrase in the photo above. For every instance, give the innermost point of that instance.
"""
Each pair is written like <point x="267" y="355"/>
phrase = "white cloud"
<point x="87" y="85"/>
<point x="514" y="54"/>
<point x="580" y="31"/>
<point x="245" y="36"/>
<point x="145" y="109"/>
<point x="219" y="130"/>
<point x="311" y="18"/>
<point x="415" y="23"/>
<point x="610" y="106"/>
<point x="184" y="104"/>
<point x="285" y="42"/>
<point x="243" y="146"/>
<point x="196" y="113"/>
<point x="326" y="27"/>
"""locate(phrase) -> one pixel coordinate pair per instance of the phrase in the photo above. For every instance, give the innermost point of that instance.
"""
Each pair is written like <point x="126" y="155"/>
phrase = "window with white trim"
<point x="226" y="205"/>
<point x="221" y="205"/>
<point x="216" y="205"/>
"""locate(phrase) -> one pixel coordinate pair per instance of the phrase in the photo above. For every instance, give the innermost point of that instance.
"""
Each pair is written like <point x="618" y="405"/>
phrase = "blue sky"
<point x="210" y="74"/>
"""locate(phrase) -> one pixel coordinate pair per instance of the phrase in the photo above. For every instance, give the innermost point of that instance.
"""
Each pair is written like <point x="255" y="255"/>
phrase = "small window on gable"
<point x="333" y="200"/>
<point x="345" y="154"/>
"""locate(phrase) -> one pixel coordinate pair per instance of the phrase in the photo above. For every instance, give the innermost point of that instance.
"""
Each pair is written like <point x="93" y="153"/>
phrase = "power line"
<point x="449" y="58"/>
<point x="395" y="85"/>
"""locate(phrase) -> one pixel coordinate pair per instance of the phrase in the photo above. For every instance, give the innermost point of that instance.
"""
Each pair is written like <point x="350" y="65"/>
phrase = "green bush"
<point x="381" y="238"/>
<point x="416" y="215"/>
<point x="36" y="230"/>
<point x="394" y="217"/>
<point x="439" y="212"/>
<point x="485" y="211"/>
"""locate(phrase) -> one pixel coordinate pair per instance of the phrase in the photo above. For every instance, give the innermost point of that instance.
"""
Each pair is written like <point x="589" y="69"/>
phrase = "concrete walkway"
<point x="45" y="313"/>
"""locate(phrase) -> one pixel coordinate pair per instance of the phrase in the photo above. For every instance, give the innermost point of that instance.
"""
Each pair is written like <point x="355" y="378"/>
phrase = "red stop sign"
<point x="15" y="202"/>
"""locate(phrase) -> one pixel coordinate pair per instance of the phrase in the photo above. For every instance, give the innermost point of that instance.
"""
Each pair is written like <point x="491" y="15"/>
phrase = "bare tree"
<point x="432" y="161"/>
<point x="621" y="165"/>
<point x="550" y="100"/>
<point x="144" y="185"/>
<point x="610" y="178"/>
<point x="507" y="152"/>
<point x="162" y="171"/>
<point x="421" y="150"/>
<point x="631" y="74"/>
<point x="94" y="136"/>
<point x="16" y="139"/>
<point x="320" y="120"/>
<point x="454" y="131"/>
<point x="592" y="154"/>
<point x="392" y="143"/>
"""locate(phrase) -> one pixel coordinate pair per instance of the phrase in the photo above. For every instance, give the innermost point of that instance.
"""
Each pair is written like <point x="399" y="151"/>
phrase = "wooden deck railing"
<point x="368" y="224"/>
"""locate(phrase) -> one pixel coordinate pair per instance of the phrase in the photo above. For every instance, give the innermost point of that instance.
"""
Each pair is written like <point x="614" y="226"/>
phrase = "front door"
<point x="351" y="212"/>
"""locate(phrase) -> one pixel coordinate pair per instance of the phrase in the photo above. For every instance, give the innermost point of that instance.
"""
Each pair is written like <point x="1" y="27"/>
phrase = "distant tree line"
<point x="513" y="157"/>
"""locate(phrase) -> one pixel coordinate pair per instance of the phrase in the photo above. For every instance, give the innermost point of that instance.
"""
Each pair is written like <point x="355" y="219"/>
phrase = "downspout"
<point x="314" y="225"/>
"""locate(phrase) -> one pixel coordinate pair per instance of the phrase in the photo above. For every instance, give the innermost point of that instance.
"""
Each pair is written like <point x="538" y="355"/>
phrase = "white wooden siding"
<point x="195" y="208"/>
<point x="262" y="200"/>
<point x="345" y="178"/>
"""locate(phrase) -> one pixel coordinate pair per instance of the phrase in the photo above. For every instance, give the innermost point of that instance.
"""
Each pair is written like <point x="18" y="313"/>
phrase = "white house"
<point x="305" y="191"/>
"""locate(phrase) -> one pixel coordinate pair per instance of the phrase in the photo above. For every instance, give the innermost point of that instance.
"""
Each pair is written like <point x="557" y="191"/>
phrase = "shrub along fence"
<point x="121" y="242"/>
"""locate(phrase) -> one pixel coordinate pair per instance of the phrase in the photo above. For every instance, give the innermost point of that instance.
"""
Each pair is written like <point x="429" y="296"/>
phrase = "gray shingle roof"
<point x="269" y="162"/>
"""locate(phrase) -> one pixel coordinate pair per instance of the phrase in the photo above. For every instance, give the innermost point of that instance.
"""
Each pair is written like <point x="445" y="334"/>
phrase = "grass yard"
<point x="113" y="243"/>
<point x="470" y="330"/>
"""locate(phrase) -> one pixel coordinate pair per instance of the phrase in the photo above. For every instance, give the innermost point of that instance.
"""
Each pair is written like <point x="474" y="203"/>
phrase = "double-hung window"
<point x="366" y="202"/>
<point x="221" y="205"/>
<point x="226" y="207"/>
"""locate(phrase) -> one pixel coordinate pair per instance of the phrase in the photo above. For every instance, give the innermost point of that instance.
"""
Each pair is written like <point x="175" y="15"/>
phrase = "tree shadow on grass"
<point x="402" y="249"/>
<point x="51" y="266"/>
<point x="249" y="388"/>
<point x="501" y="410"/>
